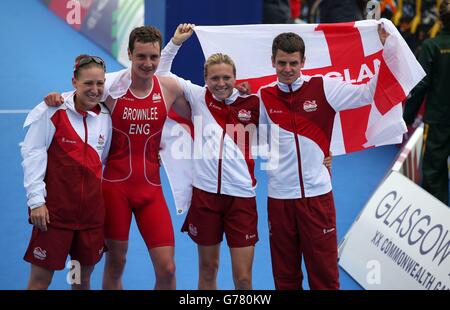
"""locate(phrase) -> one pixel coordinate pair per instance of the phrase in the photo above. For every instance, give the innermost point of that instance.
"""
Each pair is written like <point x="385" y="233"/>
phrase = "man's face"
<point x="89" y="87"/>
<point x="220" y="80"/>
<point x="288" y="66"/>
<point x="145" y="59"/>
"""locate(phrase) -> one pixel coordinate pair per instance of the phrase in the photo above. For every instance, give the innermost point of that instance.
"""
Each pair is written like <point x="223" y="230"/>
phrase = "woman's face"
<point x="89" y="86"/>
<point x="220" y="80"/>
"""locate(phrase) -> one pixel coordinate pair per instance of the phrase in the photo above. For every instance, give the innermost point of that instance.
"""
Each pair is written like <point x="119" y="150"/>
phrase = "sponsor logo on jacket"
<point x="275" y="111"/>
<point x="310" y="105"/>
<point x="65" y="140"/>
<point x="101" y="139"/>
<point x="39" y="253"/>
<point x="244" y="115"/>
<point x="212" y="105"/>
<point x="101" y="142"/>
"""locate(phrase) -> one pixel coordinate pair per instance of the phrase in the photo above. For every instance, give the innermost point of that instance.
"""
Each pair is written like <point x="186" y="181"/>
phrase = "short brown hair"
<point x="144" y="34"/>
<point x="288" y="42"/>
<point x="217" y="59"/>
<point x="94" y="61"/>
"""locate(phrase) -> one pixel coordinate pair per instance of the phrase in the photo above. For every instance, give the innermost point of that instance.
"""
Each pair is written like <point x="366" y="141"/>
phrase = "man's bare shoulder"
<point x="169" y="83"/>
<point x="167" y="80"/>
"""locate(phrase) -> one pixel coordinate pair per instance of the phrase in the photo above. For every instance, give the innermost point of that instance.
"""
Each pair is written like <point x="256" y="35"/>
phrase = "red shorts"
<point x="49" y="249"/>
<point x="147" y="202"/>
<point x="210" y="215"/>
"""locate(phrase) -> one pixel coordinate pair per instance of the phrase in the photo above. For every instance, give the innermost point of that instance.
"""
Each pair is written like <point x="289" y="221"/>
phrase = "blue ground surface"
<point x="38" y="51"/>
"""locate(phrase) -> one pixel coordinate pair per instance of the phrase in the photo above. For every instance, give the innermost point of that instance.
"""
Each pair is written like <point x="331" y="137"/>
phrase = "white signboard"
<point x="401" y="239"/>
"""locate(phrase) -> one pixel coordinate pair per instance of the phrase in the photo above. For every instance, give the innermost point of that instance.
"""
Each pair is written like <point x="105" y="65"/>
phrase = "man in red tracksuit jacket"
<point x="301" y="212"/>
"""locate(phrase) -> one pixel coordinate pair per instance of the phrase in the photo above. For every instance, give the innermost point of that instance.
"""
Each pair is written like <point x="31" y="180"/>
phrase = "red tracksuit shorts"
<point x="49" y="249"/>
<point x="211" y="214"/>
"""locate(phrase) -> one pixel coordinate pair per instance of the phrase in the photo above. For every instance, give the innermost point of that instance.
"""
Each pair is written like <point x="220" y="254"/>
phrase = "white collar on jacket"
<point x="232" y="98"/>
<point x="116" y="85"/>
<point x="70" y="104"/>
<point x="40" y="109"/>
<point x="295" y="86"/>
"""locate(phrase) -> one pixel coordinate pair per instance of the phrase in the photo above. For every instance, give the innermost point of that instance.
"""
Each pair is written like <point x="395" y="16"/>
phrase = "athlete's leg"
<point x="40" y="278"/>
<point x="204" y="223"/>
<point x="285" y="246"/>
<point x="47" y="252"/>
<point x="156" y="229"/>
<point x="155" y="225"/>
<point x="87" y="249"/>
<point x="208" y="257"/>
<point x="242" y="262"/>
<point x="117" y="227"/>
<point x="164" y="266"/>
<point x="240" y="224"/>
<point x="318" y="238"/>
<point x="85" y="278"/>
<point x="114" y="264"/>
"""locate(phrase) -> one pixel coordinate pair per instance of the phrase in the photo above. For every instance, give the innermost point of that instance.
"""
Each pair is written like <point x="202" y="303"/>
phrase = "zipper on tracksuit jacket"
<point x="297" y="145"/>
<point x="83" y="167"/>
<point x="219" y="165"/>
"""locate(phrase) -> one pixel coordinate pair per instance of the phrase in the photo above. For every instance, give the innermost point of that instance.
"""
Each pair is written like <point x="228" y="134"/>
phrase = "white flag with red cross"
<point x="351" y="52"/>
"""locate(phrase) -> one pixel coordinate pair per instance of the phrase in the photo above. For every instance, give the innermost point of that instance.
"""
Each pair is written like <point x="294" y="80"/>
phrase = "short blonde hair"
<point x="217" y="59"/>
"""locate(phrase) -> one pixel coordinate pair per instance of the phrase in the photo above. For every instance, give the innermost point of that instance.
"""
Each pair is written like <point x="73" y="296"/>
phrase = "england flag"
<point x="351" y="52"/>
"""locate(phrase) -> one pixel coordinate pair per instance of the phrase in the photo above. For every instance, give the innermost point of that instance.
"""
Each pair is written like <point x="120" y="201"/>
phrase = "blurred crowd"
<point x="416" y="20"/>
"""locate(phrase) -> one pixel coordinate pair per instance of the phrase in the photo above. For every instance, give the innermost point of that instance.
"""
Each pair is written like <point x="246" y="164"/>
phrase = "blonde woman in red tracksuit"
<point x="223" y="198"/>
<point x="63" y="153"/>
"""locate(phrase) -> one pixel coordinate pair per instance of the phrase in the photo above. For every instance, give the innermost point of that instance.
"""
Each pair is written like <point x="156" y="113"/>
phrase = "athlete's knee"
<point x="167" y="270"/>
<point x="85" y="284"/>
<point x="85" y="279"/>
<point x="209" y="269"/>
<point x="38" y="285"/>
<point x="39" y="282"/>
<point x="115" y="262"/>
<point x="117" y="252"/>
<point x="243" y="282"/>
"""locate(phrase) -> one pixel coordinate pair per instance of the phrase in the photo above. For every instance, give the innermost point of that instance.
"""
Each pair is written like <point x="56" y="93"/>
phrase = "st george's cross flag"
<point x="351" y="52"/>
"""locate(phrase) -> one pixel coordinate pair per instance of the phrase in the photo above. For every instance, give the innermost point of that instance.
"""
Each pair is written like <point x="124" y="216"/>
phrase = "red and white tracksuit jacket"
<point x="63" y="153"/>
<point x="301" y="116"/>
<point x="223" y="162"/>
